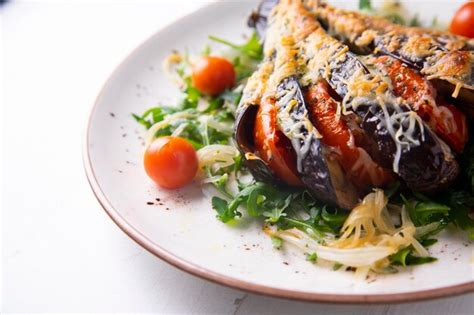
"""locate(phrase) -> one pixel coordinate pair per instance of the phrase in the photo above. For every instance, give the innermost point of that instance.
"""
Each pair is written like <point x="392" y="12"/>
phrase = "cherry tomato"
<point x="463" y="21"/>
<point x="273" y="146"/>
<point x="171" y="162"/>
<point x="323" y="113"/>
<point x="212" y="75"/>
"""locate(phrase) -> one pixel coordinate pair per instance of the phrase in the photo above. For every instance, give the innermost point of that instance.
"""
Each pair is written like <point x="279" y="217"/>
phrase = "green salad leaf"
<point x="252" y="48"/>
<point x="365" y="5"/>
<point x="405" y="257"/>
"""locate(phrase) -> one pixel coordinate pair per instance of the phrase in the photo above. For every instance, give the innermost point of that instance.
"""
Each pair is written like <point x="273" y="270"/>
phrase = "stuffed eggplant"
<point x="444" y="58"/>
<point x="342" y="126"/>
<point x="360" y="29"/>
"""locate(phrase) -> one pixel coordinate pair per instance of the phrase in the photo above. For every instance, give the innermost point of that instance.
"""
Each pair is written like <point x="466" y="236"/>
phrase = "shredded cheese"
<point x="368" y="237"/>
<point x="456" y="90"/>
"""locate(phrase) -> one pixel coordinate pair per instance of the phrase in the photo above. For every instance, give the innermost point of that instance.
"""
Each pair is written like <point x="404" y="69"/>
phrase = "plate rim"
<point x="213" y="276"/>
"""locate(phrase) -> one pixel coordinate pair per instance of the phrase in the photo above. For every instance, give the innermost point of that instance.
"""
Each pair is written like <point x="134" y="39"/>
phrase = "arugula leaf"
<point x="395" y="18"/>
<point x="305" y="226"/>
<point x="278" y="211"/>
<point x="263" y="200"/>
<point x="415" y="260"/>
<point x="225" y="213"/>
<point x="430" y="211"/>
<point x="233" y="97"/>
<point x="334" y="220"/>
<point x="426" y="211"/>
<point x="258" y="197"/>
<point x="462" y="202"/>
<point x="336" y="266"/>
<point x="153" y="115"/>
<point x="405" y="257"/>
<point x="243" y="70"/>
<point x="190" y="98"/>
<point x="400" y="257"/>
<point x="276" y="242"/>
<point x="312" y="257"/>
<point x="365" y="5"/>
<point x="206" y="51"/>
<point x="252" y="48"/>
<point x="428" y="242"/>
<point x="415" y="21"/>
<point x="142" y="121"/>
<point x="392" y="189"/>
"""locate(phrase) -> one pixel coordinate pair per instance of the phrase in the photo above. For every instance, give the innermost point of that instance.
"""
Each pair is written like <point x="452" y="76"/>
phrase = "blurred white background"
<point x="60" y="251"/>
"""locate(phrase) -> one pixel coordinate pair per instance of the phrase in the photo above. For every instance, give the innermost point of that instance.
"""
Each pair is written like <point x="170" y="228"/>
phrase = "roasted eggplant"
<point x="301" y="60"/>
<point x="440" y="56"/>
<point x="342" y="134"/>
<point x="258" y="18"/>
<point x="318" y="169"/>
<point x="316" y="165"/>
<point x="447" y="121"/>
<point x="358" y="28"/>
<point x="245" y="123"/>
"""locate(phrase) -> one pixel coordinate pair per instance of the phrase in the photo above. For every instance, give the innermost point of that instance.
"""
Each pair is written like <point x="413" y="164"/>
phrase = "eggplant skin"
<point x="320" y="174"/>
<point x="428" y="167"/>
<point x="243" y="135"/>
<point x="259" y="18"/>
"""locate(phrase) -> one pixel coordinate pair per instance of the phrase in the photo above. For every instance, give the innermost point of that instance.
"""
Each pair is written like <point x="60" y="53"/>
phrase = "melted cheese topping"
<point x="283" y="41"/>
<point x="418" y="47"/>
<point x="369" y="237"/>
<point x="413" y="44"/>
<point x="301" y="45"/>
<point x="295" y="124"/>
<point x="452" y="66"/>
<point x="257" y="84"/>
<point x="366" y="38"/>
<point x="353" y="25"/>
<point x="365" y="88"/>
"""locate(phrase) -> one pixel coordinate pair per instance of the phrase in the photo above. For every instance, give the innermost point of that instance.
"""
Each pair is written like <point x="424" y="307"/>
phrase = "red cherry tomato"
<point x="212" y="75"/>
<point x="463" y="21"/>
<point x="171" y="162"/>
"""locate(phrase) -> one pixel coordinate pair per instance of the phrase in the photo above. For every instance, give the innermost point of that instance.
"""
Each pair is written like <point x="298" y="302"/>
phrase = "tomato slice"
<point x="444" y="119"/>
<point x="357" y="163"/>
<point x="273" y="146"/>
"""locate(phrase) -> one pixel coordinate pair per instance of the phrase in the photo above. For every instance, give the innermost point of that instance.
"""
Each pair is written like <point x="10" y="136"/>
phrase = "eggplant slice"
<point x="437" y="55"/>
<point x="319" y="172"/>
<point x="243" y="135"/>
<point x="258" y="19"/>
<point x="301" y="53"/>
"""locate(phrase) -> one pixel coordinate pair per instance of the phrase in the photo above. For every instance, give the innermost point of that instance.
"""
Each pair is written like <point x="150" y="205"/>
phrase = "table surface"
<point x="60" y="251"/>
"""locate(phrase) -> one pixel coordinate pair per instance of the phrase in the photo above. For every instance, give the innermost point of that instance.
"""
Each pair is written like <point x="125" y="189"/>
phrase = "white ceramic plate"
<point x="180" y="226"/>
